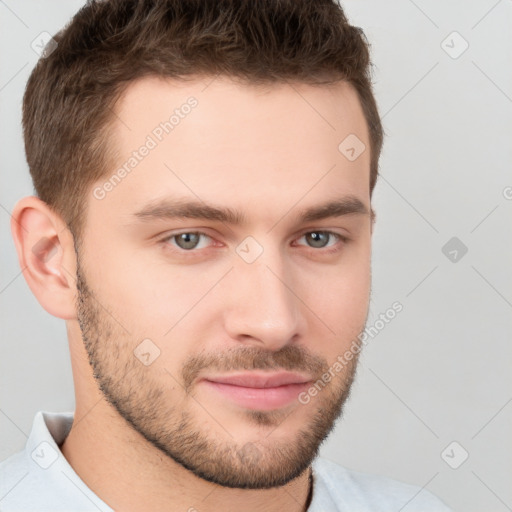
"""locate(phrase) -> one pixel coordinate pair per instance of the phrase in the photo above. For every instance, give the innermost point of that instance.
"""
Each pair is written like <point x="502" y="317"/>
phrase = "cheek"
<point x="175" y="308"/>
<point x="341" y="299"/>
<point x="343" y="303"/>
<point x="119" y="287"/>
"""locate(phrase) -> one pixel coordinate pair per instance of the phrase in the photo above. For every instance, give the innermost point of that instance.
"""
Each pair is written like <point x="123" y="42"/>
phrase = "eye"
<point x="187" y="241"/>
<point x="320" y="239"/>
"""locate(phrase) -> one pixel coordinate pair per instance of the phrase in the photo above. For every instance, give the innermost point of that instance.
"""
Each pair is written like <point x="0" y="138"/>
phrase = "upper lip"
<point x="260" y="379"/>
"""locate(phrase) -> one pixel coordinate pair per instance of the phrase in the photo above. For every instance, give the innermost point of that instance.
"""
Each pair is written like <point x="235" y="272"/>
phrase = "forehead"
<point x="237" y="143"/>
<point x="227" y="109"/>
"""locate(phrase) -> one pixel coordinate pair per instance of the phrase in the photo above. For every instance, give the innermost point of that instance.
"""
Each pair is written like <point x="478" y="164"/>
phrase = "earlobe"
<point x="46" y="255"/>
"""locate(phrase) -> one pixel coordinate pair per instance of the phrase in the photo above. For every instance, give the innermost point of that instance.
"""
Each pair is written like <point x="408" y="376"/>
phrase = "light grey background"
<point x="440" y="371"/>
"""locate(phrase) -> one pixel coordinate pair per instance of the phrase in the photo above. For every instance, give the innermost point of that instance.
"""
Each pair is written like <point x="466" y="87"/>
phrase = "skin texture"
<point x="155" y="436"/>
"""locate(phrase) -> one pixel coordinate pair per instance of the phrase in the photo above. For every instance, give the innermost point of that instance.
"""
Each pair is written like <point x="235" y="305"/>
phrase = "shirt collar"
<point x="50" y="429"/>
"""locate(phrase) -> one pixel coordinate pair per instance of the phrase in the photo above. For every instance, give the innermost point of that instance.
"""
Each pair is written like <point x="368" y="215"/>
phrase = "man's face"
<point x="204" y="332"/>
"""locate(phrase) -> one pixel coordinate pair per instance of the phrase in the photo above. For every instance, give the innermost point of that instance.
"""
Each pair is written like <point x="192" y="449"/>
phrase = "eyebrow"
<point x="192" y="209"/>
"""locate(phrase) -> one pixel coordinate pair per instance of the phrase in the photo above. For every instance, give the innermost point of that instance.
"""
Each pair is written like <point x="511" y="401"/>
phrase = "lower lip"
<point x="263" y="399"/>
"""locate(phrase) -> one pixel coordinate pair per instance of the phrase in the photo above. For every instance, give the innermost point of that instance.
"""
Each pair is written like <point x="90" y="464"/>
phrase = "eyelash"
<point x="341" y="238"/>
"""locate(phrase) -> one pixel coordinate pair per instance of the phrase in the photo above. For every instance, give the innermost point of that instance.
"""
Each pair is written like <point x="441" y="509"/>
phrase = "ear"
<point x="46" y="255"/>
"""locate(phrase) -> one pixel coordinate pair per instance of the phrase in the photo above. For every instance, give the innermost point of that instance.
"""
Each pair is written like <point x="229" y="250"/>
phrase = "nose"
<point x="263" y="310"/>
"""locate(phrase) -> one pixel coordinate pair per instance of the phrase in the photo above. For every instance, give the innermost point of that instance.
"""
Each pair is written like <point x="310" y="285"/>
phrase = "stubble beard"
<point x="141" y="397"/>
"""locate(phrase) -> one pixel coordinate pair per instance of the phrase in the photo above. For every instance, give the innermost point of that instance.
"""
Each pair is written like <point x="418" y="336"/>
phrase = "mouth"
<point x="262" y="391"/>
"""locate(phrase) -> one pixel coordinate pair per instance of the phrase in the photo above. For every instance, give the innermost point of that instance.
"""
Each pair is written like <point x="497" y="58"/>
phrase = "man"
<point x="203" y="221"/>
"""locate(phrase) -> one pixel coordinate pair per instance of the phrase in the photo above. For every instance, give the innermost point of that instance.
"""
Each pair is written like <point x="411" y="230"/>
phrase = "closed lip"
<point x="260" y="380"/>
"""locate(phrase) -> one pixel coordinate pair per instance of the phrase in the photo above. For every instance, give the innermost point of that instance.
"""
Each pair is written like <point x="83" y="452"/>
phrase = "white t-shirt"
<point x="39" y="478"/>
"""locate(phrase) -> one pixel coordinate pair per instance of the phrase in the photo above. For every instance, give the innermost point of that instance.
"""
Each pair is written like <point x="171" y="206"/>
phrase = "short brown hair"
<point x="70" y="95"/>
